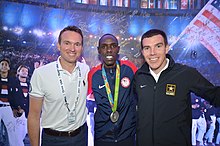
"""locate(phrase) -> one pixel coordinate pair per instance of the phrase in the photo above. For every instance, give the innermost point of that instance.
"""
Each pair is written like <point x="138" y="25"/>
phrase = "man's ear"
<point x="58" y="46"/>
<point x="167" y="49"/>
<point x="98" y="50"/>
<point x="118" y="49"/>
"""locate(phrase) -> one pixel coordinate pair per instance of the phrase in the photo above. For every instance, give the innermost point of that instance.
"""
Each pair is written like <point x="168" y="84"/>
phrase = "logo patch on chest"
<point x="171" y="89"/>
<point x="125" y="82"/>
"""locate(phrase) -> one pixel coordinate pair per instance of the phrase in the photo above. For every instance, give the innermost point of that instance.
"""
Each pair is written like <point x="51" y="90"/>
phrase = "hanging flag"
<point x="151" y="3"/>
<point x="173" y="4"/>
<point x="207" y="24"/>
<point x="191" y="4"/>
<point x="144" y="4"/>
<point x="160" y="4"/>
<point x="184" y="4"/>
<point x="166" y="4"/>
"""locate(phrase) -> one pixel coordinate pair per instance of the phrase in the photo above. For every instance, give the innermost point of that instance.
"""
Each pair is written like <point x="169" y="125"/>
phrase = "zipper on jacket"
<point x="153" y="138"/>
<point x="115" y="132"/>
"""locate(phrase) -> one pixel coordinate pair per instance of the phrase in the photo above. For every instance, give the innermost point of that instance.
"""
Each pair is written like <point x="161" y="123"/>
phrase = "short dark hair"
<point x="154" y="32"/>
<point x="6" y="59"/>
<point x="70" y="28"/>
<point x="22" y="66"/>
<point x="106" y="35"/>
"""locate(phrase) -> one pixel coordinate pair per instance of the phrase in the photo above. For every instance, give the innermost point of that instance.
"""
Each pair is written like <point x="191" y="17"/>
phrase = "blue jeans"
<point x="79" y="140"/>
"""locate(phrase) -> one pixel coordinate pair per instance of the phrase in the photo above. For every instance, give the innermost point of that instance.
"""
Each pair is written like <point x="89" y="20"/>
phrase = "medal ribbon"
<point x="114" y="103"/>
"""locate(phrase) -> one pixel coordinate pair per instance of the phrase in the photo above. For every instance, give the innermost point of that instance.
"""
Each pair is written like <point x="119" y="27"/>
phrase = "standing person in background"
<point x="164" y="112"/>
<point x="6" y="114"/>
<point x="38" y="63"/>
<point x="59" y="90"/>
<point x="198" y="120"/>
<point x="217" y="142"/>
<point x="210" y="115"/>
<point x="19" y="100"/>
<point x="91" y="105"/>
<point x="110" y="82"/>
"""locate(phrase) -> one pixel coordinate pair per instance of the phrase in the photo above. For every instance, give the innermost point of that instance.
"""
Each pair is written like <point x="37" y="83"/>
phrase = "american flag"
<point x="184" y="4"/>
<point x="166" y="4"/>
<point x="173" y="4"/>
<point x="207" y="24"/>
<point x="151" y="3"/>
<point x="160" y="4"/>
<point x="191" y="4"/>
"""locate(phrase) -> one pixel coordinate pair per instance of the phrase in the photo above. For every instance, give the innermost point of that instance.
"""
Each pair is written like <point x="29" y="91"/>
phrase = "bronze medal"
<point x="114" y="116"/>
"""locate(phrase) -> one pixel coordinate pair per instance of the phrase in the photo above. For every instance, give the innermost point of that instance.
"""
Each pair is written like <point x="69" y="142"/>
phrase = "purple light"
<point x="39" y="32"/>
<point x="5" y="28"/>
<point x="18" y="30"/>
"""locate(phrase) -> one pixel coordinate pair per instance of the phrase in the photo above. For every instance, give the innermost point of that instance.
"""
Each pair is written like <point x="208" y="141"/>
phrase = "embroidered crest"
<point x="125" y="82"/>
<point x="171" y="89"/>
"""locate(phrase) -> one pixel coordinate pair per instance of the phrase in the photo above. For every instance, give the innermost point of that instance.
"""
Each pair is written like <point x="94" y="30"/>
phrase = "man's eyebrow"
<point x="110" y="43"/>
<point x="146" y="46"/>
<point x="66" y="41"/>
<point x="160" y="43"/>
<point x="71" y="41"/>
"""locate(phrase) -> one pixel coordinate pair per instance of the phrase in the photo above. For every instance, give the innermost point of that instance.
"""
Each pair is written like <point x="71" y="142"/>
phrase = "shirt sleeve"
<point x="36" y="85"/>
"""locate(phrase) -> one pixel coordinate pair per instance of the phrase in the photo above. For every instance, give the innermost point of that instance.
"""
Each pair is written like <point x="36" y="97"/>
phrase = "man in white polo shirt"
<point x="59" y="90"/>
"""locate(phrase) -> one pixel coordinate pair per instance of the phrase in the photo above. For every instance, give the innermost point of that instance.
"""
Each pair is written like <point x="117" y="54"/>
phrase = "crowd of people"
<point x="14" y="102"/>
<point x="131" y="106"/>
<point x="205" y="122"/>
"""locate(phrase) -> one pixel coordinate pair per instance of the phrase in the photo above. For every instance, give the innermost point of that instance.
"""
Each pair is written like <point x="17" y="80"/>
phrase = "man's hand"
<point x="195" y="106"/>
<point x="18" y="112"/>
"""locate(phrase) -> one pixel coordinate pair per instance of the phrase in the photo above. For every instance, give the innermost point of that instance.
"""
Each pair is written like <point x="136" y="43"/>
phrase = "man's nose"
<point x="72" y="47"/>
<point x="152" y="51"/>
<point x="109" y="48"/>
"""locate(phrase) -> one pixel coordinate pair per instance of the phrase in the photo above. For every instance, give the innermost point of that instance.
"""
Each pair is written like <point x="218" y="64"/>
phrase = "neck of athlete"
<point x="22" y="79"/>
<point x="4" y="74"/>
<point x="69" y="66"/>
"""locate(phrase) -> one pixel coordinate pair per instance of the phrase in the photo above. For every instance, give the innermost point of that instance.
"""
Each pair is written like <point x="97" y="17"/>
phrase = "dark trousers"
<point x="127" y="142"/>
<point x="79" y="140"/>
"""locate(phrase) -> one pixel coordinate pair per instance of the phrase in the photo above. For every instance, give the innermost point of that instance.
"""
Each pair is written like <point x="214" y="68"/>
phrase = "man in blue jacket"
<point x="6" y="114"/>
<point x="19" y="91"/>
<point x="110" y="83"/>
<point x="19" y="100"/>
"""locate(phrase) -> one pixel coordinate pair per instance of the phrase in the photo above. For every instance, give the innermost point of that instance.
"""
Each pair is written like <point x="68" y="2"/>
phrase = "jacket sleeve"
<point x="203" y="88"/>
<point x="12" y="93"/>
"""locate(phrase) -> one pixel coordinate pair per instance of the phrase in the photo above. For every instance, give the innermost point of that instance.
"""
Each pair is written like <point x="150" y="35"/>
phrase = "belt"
<point x="4" y="99"/>
<point x="3" y="105"/>
<point x="52" y="132"/>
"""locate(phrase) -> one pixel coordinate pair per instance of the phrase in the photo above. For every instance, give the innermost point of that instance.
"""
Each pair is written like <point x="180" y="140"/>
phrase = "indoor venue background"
<point x="29" y="29"/>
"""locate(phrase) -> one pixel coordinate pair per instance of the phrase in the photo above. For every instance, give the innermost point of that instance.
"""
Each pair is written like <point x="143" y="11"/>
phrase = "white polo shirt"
<point x="45" y="84"/>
